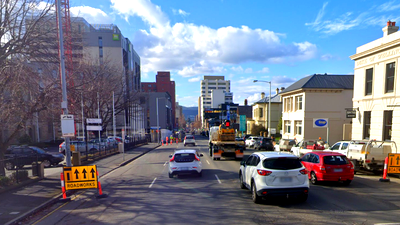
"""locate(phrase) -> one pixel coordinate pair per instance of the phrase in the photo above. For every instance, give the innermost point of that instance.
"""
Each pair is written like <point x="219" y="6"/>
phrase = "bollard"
<point x="384" y="179"/>
<point x="100" y="195"/>
<point x="166" y="142"/>
<point x="171" y="142"/>
<point x="177" y="141"/>
<point x="64" y="199"/>
<point x="162" y="143"/>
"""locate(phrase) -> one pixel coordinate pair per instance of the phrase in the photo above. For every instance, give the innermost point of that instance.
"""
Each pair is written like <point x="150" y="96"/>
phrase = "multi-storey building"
<point x="376" y="96"/>
<point x="317" y="97"/>
<point x="207" y="85"/>
<point x="163" y="84"/>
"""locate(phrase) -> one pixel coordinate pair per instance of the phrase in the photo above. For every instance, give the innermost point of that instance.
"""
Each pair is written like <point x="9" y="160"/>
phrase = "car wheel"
<point x="200" y="174"/>
<point x="170" y="175"/>
<point x="242" y="186"/>
<point x="303" y="198"/>
<point x="46" y="163"/>
<point x="256" y="199"/>
<point x="214" y="158"/>
<point x="9" y="165"/>
<point x="346" y="182"/>
<point x="314" y="179"/>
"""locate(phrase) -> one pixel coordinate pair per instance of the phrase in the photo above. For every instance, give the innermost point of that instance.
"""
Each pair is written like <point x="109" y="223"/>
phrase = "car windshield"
<point x="282" y="163"/>
<point x="184" y="157"/>
<point x="335" y="160"/>
<point x="189" y="137"/>
<point x="39" y="150"/>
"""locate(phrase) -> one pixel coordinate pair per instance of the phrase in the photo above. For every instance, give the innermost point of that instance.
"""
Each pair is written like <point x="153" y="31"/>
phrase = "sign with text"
<point x="80" y="177"/>
<point x="93" y="120"/>
<point x="67" y="125"/>
<point x="242" y="122"/>
<point x="394" y="163"/>
<point x="92" y="128"/>
<point x="320" y="123"/>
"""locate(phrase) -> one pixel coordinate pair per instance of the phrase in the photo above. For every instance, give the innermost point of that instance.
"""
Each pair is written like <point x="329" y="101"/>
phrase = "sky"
<point x="277" y="41"/>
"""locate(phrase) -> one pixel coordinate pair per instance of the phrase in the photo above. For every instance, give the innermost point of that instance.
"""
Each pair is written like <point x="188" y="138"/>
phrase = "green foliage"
<point x="256" y="129"/>
<point x="4" y="181"/>
<point x="25" y="139"/>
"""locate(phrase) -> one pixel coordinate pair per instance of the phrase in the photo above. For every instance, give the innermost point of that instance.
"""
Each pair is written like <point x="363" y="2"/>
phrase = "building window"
<point x="261" y="112"/>
<point x="368" y="81"/>
<point x="367" y="125"/>
<point x="387" y="125"/>
<point x="203" y="87"/>
<point x="100" y="41"/>
<point x="299" y="102"/>
<point x="288" y="104"/>
<point x="287" y="126"/>
<point x="221" y="87"/>
<point x="299" y="126"/>
<point x="389" y="86"/>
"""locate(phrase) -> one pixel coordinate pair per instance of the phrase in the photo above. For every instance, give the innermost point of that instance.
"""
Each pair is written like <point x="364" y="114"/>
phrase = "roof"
<point x="325" y="153"/>
<point x="186" y="151"/>
<point x="274" y="99"/>
<point x="319" y="81"/>
<point x="276" y="154"/>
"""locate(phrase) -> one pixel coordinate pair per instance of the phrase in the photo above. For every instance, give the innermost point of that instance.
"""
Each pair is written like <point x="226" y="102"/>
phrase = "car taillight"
<point x="264" y="172"/>
<point x="304" y="171"/>
<point x="60" y="146"/>
<point x="322" y="168"/>
<point x="196" y="158"/>
<point x="172" y="159"/>
<point x="185" y="138"/>
<point x="368" y="161"/>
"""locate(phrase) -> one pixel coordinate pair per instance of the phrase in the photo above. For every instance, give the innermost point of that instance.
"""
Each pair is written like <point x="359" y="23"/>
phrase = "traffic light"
<point x="228" y="123"/>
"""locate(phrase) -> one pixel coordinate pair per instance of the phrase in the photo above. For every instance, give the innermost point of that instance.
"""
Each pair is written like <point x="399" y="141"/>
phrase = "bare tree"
<point x="23" y="92"/>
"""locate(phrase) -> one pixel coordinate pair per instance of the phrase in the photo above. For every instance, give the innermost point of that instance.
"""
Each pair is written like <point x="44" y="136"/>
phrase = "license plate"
<point x="184" y="168"/>
<point x="286" y="179"/>
<point x="337" y="170"/>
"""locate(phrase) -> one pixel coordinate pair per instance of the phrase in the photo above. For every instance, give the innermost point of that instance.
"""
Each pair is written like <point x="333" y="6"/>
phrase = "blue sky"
<point x="278" y="41"/>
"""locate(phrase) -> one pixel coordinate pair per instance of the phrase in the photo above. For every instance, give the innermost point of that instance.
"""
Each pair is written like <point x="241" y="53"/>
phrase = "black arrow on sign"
<point x="92" y="172"/>
<point x="68" y="178"/>
<point x="84" y="173"/>
<point x="77" y="174"/>
<point x="397" y="159"/>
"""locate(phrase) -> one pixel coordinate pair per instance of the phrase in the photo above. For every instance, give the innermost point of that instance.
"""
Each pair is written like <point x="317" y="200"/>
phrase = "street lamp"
<point x="269" y="105"/>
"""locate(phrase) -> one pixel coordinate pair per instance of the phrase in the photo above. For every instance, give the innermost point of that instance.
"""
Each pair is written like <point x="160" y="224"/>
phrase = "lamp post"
<point x="269" y="105"/>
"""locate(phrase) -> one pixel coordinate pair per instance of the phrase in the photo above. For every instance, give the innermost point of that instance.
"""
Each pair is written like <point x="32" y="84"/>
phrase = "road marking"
<point x="165" y="163"/>
<point x="208" y="162"/>
<point x="217" y="178"/>
<point x="14" y="213"/>
<point x="153" y="182"/>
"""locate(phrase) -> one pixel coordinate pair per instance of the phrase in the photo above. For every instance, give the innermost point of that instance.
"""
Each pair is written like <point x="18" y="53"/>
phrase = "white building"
<point x="217" y="83"/>
<point x="375" y="95"/>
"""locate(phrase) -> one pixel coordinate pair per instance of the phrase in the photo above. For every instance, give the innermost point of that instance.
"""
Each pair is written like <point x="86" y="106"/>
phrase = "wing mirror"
<point x="201" y="155"/>
<point x="243" y="163"/>
<point x="170" y="156"/>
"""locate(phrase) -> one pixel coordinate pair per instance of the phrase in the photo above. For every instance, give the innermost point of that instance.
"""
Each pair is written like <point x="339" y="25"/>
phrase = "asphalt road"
<point x="142" y="193"/>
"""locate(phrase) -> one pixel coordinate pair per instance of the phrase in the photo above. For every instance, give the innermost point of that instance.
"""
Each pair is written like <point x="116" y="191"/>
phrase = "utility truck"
<point x="306" y="146"/>
<point x="222" y="142"/>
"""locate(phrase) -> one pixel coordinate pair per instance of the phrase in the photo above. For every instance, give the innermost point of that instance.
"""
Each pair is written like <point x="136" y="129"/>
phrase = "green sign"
<point x="242" y="122"/>
<point x="115" y="37"/>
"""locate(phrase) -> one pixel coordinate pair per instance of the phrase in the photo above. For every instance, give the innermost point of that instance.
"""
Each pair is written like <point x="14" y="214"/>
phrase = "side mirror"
<point x="170" y="156"/>
<point x="201" y="155"/>
<point x="243" y="163"/>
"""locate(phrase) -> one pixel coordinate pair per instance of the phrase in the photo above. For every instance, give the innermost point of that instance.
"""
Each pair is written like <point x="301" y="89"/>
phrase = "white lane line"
<point x="165" y="163"/>
<point x="14" y="213"/>
<point x="217" y="178"/>
<point x="208" y="162"/>
<point x="153" y="182"/>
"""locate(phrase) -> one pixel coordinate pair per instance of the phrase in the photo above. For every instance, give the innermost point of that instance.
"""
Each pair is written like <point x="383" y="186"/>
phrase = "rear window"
<point x="189" y="137"/>
<point x="184" y="157"/>
<point x="335" y="160"/>
<point x="282" y="163"/>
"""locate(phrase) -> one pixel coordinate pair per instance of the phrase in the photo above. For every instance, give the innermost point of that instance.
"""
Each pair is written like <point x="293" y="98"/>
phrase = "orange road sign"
<point x="394" y="163"/>
<point x="80" y="177"/>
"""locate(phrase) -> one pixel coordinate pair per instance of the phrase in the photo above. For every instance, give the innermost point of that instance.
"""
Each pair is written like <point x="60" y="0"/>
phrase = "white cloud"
<point x="253" y="98"/>
<point x="183" y="13"/>
<point x="188" y="101"/>
<point x="388" y="6"/>
<point x="326" y="57"/>
<point x="264" y="70"/>
<point x="249" y="70"/>
<point x="238" y="69"/>
<point x="196" y="49"/>
<point x="194" y="79"/>
<point x="92" y="15"/>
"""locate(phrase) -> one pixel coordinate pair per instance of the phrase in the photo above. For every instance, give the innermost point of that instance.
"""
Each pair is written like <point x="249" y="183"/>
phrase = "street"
<point x="142" y="193"/>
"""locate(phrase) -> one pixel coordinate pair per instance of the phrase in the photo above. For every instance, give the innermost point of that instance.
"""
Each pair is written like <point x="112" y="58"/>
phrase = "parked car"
<point x="189" y="140"/>
<point x="341" y="147"/>
<point x="185" y="162"/>
<point x="19" y="156"/>
<point x="274" y="173"/>
<point x="251" y="140"/>
<point x="79" y="146"/>
<point x="328" y="166"/>
<point x="286" y="144"/>
<point x="264" y="143"/>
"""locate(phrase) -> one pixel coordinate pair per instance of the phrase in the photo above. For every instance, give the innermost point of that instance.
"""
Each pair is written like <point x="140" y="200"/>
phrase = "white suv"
<point x="189" y="140"/>
<point x="250" y="141"/>
<point x="274" y="173"/>
<point x="185" y="162"/>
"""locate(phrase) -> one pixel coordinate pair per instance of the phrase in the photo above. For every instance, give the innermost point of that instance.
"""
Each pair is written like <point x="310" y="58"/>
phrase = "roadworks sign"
<point x="80" y="177"/>
<point x="394" y="163"/>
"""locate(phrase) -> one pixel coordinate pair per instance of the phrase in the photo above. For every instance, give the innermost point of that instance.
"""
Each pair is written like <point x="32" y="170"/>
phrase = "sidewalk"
<point x="21" y="202"/>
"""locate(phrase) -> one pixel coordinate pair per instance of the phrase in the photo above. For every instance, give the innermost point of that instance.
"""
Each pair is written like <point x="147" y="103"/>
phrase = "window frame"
<point x="367" y="125"/>
<point x="297" y="126"/>
<point x="387" y="125"/>
<point x="369" y="81"/>
<point x="389" y="86"/>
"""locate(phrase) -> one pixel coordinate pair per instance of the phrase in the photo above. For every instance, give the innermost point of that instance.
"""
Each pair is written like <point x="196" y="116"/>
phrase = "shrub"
<point x="4" y="181"/>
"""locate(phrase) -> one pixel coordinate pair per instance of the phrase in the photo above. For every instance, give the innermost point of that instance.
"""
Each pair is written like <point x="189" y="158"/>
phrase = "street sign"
<point x="320" y="123"/>
<point x="394" y="163"/>
<point x="351" y="113"/>
<point x="228" y="113"/>
<point x="80" y="177"/>
<point x="242" y="122"/>
<point x="94" y="120"/>
<point x="89" y="127"/>
<point x="67" y="125"/>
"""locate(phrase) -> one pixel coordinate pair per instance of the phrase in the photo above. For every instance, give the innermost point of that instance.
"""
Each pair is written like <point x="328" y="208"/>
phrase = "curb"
<point x="57" y="198"/>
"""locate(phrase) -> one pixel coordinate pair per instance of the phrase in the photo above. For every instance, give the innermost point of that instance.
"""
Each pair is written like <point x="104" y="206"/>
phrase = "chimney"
<point x="390" y="28"/>
<point x="245" y="102"/>
<point x="277" y="90"/>
<point x="282" y="88"/>
<point x="262" y="95"/>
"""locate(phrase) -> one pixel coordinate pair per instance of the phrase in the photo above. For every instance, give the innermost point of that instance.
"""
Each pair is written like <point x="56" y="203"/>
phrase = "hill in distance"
<point x="189" y="111"/>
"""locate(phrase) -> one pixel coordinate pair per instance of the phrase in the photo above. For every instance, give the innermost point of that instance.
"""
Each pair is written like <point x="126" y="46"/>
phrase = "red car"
<point x="328" y="166"/>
